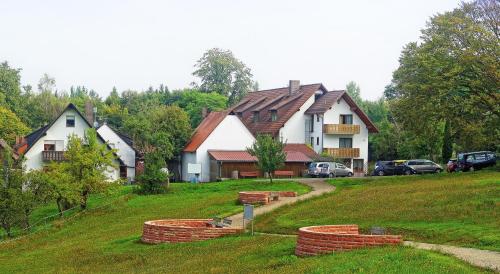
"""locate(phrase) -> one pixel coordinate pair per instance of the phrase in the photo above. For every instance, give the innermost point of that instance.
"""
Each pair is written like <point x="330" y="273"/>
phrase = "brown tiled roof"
<point x="327" y="101"/>
<point x="203" y="130"/>
<point x="285" y="106"/>
<point x="304" y="149"/>
<point x="243" y="156"/>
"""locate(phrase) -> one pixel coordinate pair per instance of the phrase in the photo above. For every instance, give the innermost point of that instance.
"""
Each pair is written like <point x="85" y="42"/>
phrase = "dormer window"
<point x="70" y="120"/>
<point x="255" y="117"/>
<point x="274" y="115"/>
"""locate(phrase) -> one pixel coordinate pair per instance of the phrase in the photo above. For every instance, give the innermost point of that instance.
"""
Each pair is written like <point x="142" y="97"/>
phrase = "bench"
<point x="288" y="173"/>
<point x="247" y="174"/>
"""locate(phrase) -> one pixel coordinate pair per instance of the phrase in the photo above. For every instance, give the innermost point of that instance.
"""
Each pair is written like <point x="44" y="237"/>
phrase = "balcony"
<point x="341" y="129"/>
<point x="342" y="152"/>
<point x="51" y="155"/>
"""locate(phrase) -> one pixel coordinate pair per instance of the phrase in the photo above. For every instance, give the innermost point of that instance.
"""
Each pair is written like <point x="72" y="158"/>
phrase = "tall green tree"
<point x="193" y="102"/>
<point x="221" y="72"/>
<point x="11" y="126"/>
<point x="354" y="91"/>
<point x="270" y="154"/>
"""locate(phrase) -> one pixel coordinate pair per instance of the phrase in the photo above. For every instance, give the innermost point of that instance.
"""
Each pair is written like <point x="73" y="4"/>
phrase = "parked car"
<point x="452" y="165"/>
<point x="476" y="160"/>
<point x="383" y="168"/>
<point x="329" y="169"/>
<point x="424" y="166"/>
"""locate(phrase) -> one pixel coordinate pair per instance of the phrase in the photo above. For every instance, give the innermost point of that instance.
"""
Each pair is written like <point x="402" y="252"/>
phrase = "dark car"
<point x="476" y="160"/>
<point x="383" y="168"/>
<point x="452" y="165"/>
<point x="424" y="166"/>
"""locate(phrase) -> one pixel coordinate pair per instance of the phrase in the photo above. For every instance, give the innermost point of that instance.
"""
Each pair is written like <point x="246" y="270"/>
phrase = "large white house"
<point x="49" y="142"/>
<point x="303" y="115"/>
<point x="124" y="149"/>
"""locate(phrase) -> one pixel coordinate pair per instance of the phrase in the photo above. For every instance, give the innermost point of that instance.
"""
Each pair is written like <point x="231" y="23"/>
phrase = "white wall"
<point x="230" y="134"/>
<point x="318" y="132"/>
<point x="187" y="158"/>
<point x="59" y="132"/>
<point x="124" y="151"/>
<point x="332" y="116"/>
<point x="295" y="128"/>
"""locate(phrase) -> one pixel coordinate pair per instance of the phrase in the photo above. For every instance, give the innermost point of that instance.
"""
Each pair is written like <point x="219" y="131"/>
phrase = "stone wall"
<point x="262" y="197"/>
<point x="315" y="240"/>
<point x="183" y="230"/>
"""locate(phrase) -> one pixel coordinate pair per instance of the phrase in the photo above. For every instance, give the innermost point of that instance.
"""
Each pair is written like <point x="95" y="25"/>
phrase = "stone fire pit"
<point x="183" y="230"/>
<point x="315" y="240"/>
<point x="263" y="197"/>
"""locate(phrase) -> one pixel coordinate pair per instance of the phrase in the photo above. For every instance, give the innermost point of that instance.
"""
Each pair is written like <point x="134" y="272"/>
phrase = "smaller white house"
<point x="49" y="142"/>
<point x="218" y="131"/>
<point x="124" y="149"/>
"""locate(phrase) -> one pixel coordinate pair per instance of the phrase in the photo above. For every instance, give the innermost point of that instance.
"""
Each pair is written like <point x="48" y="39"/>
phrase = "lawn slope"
<point x="457" y="209"/>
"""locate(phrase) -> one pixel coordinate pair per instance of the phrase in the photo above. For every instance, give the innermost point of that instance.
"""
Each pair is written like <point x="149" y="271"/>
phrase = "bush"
<point x="154" y="180"/>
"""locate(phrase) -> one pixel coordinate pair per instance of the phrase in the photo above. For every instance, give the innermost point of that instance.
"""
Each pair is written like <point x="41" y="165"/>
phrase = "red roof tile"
<point x="206" y="127"/>
<point x="244" y="156"/>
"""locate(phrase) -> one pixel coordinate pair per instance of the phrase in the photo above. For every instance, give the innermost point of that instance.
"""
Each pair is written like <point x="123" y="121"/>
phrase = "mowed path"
<point x="319" y="187"/>
<point x="482" y="258"/>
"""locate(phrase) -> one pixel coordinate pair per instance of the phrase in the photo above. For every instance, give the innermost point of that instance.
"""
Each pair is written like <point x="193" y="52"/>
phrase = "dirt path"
<point x="482" y="258"/>
<point x="319" y="187"/>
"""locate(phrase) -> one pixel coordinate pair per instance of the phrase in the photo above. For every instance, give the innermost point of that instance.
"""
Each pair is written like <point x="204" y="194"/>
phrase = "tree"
<point x="223" y="73"/>
<point x="154" y="180"/>
<point x="11" y="126"/>
<point x="193" y="102"/>
<point x="269" y="153"/>
<point x="354" y="91"/>
<point x="11" y="96"/>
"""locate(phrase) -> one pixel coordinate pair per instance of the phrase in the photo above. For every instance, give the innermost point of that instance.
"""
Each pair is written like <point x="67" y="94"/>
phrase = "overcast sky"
<point x="137" y="44"/>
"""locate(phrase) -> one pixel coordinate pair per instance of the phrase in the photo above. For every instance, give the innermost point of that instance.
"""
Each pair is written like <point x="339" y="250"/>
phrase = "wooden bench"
<point x="247" y="174"/>
<point x="288" y="173"/>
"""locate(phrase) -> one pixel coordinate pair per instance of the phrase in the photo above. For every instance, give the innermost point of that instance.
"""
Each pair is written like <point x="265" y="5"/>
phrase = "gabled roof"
<point x="129" y="141"/>
<point x="33" y="137"/>
<point x="278" y="100"/>
<point x="204" y="129"/>
<point x="327" y="101"/>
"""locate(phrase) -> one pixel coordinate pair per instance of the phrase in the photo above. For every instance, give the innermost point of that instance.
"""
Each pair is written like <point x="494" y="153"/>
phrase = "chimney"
<point x="293" y="87"/>
<point x="89" y="112"/>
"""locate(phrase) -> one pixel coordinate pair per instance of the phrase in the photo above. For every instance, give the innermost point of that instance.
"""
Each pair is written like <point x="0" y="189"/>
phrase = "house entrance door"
<point x="358" y="166"/>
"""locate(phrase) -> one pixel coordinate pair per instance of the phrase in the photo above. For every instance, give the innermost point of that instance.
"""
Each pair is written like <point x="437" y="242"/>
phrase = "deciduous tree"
<point x="269" y="153"/>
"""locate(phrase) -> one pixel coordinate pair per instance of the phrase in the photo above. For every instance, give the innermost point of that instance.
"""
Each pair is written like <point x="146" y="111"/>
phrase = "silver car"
<point x="424" y="166"/>
<point x="329" y="169"/>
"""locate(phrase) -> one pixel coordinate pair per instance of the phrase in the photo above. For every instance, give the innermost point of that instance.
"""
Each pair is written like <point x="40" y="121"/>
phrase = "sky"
<point x="137" y="44"/>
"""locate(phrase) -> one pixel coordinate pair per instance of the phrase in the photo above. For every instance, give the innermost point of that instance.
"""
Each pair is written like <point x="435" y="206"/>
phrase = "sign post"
<point x="248" y="214"/>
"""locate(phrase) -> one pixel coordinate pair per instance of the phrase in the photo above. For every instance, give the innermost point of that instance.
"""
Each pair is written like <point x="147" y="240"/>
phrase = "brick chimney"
<point x="89" y="112"/>
<point x="293" y="87"/>
<point x="204" y="112"/>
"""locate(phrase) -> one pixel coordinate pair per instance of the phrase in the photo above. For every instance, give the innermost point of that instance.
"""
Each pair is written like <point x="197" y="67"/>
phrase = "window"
<point x="274" y="115"/>
<point x="346" y="119"/>
<point x="317" y="118"/>
<point x="312" y="141"/>
<point x="70" y="120"/>
<point x="345" y="142"/>
<point x="317" y="141"/>
<point x="255" y="117"/>
<point x="49" y="146"/>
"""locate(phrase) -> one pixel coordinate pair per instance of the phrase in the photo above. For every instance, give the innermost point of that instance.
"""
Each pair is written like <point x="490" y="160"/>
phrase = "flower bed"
<point x="183" y="230"/>
<point x="315" y="240"/>
<point x="262" y="197"/>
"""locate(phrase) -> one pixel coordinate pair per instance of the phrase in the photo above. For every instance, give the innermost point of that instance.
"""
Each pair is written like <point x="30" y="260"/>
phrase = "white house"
<point x="124" y="149"/>
<point x="328" y="121"/>
<point x="48" y="143"/>
<point x="218" y="131"/>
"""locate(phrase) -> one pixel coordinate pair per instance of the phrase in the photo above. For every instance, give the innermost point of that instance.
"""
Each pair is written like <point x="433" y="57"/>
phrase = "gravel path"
<point x="482" y="258"/>
<point x="319" y="187"/>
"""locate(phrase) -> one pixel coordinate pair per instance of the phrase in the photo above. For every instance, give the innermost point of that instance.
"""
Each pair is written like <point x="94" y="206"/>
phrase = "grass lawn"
<point x="106" y="240"/>
<point x="457" y="209"/>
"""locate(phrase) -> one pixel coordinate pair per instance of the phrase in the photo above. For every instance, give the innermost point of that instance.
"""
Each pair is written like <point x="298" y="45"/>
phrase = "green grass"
<point x="106" y="240"/>
<point x="458" y="209"/>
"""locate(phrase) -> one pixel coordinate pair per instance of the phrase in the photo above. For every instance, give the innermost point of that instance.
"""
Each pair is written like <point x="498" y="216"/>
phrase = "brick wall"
<point x="261" y="197"/>
<point x="182" y="230"/>
<point x="315" y="240"/>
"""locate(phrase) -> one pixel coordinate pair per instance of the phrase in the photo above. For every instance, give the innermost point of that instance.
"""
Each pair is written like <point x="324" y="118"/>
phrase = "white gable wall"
<point x="124" y="151"/>
<point x="332" y="116"/>
<point x="230" y="134"/>
<point x="294" y="130"/>
<point x="59" y="132"/>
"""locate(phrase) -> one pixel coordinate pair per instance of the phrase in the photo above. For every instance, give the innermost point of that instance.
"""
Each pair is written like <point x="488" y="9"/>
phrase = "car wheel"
<point x="438" y="170"/>
<point x="471" y="169"/>
<point x="330" y="175"/>
<point x="381" y="173"/>
<point x="349" y="174"/>
<point x="408" y="172"/>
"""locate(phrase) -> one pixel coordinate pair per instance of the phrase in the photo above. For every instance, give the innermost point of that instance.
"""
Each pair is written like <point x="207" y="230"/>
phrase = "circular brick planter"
<point x="315" y="240"/>
<point x="183" y="230"/>
<point x="262" y="197"/>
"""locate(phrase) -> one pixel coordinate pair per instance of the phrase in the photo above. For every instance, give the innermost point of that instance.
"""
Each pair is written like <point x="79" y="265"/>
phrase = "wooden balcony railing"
<point x="50" y="155"/>
<point x="340" y="129"/>
<point x="342" y="152"/>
